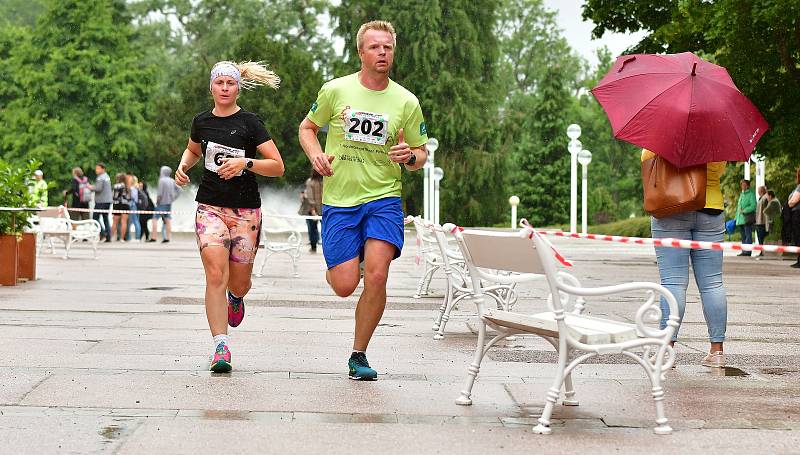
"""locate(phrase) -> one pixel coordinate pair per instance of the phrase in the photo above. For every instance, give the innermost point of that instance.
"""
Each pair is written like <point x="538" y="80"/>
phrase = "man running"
<point x="375" y="125"/>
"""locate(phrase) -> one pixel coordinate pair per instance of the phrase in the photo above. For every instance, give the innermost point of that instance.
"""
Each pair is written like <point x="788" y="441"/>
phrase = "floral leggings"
<point x="238" y="230"/>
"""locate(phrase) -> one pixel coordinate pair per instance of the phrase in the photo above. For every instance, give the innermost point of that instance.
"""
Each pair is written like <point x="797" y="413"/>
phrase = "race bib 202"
<point x="367" y="127"/>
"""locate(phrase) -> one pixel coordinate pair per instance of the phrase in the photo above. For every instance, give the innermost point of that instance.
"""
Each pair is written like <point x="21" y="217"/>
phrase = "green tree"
<point x="447" y="56"/>
<point x="285" y="34"/>
<point x="84" y="91"/>
<point x="541" y="177"/>
<point x="758" y="41"/>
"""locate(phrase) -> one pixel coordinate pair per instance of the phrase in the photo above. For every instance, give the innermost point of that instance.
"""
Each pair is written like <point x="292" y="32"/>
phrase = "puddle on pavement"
<point x="111" y="432"/>
<point x="226" y="415"/>
<point x="728" y="371"/>
<point x="159" y="288"/>
<point x="779" y="371"/>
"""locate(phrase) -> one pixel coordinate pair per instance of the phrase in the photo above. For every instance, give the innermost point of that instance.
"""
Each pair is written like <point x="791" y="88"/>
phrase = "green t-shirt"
<point x="362" y="126"/>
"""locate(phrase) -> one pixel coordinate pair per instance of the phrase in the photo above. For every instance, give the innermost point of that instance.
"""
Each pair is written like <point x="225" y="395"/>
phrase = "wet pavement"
<point x="110" y="356"/>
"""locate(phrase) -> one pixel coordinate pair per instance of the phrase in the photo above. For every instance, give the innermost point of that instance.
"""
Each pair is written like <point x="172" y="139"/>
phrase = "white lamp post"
<point x="438" y="175"/>
<point x="584" y="157"/>
<point x="514" y="201"/>
<point x="428" y="183"/>
<point x="575" y="146"/>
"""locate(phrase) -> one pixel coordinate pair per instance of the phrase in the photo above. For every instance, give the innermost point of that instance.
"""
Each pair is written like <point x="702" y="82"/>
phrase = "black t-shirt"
<point x="236" y="135"/>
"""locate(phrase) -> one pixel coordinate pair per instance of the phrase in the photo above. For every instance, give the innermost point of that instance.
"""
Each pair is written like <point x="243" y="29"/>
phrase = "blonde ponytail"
<point x="255" y="74"/>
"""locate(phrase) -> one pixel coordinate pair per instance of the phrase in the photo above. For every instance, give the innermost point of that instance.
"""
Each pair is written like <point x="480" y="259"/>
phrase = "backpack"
<point x="143" y="202"/>
<point x="84" y="192"/>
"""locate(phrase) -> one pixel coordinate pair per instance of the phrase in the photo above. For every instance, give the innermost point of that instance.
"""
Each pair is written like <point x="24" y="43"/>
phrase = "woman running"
<point x="228" y="219"/>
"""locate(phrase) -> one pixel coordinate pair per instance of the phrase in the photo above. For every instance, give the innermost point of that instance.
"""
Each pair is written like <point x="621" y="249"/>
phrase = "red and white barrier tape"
<point x="674" y="243"/>
<point x="114" y="211"/>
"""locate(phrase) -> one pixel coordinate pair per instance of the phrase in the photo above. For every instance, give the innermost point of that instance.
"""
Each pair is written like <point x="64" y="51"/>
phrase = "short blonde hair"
<point x="383" y="26"/>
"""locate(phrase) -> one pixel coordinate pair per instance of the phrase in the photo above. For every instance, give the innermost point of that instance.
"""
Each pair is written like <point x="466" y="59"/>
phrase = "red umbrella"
<point x="681" y="107"/>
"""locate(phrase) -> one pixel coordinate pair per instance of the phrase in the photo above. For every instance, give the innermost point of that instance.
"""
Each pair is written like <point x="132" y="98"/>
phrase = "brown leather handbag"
<point x="669" y="190"/>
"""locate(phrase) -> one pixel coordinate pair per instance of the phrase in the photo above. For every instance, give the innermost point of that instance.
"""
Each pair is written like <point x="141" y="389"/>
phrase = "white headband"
<point x="225" y="69"/>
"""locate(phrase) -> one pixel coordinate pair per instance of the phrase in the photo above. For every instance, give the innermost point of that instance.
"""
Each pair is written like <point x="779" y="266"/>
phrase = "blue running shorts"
<point x="345" y="230"/>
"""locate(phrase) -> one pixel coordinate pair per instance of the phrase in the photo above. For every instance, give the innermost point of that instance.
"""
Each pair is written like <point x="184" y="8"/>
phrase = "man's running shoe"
<point x="221" y="363"/>
<point x="360" y="369"/>
<point x="235" y="309"/>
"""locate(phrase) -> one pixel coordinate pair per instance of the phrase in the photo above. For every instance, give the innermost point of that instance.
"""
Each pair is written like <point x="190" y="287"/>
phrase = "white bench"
<point x="286" y="241"/>
<point x="570" y="332"/>
<point x="55" y="224"/>
<point x="458" y="279"/>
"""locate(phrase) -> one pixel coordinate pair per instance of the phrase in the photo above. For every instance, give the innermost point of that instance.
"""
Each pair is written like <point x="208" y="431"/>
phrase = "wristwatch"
<point x="411" y="160"/>
<point x="249" y="164"/>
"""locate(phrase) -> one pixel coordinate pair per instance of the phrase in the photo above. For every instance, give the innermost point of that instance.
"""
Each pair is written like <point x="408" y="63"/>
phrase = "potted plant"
<point x="14" y="193"/>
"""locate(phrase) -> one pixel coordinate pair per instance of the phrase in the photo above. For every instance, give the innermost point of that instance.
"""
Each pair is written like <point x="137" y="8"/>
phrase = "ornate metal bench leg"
<point x="475" y="367"/>
<point x="421" y="283"/>
<point x="554" y="391"/>
<point x="447" y="297"/>
<point x="661" y="419"/>
<point x="569" y="392"/>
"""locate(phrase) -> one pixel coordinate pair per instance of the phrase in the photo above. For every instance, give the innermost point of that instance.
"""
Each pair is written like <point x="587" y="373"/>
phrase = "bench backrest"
<point x="506" y="251"/>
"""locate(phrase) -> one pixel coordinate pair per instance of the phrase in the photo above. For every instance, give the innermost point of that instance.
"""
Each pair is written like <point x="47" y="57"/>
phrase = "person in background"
<point x="102" y="199"/>
<point x="312" y="206"/>
<point x="167" y="192"/>
<point x="79" y="195"/>
<point x="145" y="203"/>
<point x="761" y="219"/>
<point x="794" y="203"/>
<point x="133" y="218"/>
<point x="772" y="211"/>
<point x="39" y="189"/>
<point x="122" y="202"/>
<point x="746" y="214"/>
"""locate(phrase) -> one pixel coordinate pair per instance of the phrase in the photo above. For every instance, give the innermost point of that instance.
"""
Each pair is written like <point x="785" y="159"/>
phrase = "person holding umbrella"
<point x="688" y="112"/>
<point x="705" y="225"/>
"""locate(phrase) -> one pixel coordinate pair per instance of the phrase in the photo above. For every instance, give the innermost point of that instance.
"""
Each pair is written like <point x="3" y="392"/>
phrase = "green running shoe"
<point x="360" y="369"/>
<point x="221" y="363"/>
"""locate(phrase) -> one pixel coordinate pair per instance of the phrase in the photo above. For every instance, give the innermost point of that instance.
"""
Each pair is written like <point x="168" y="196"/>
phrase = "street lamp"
<point x="514" y="201"/>
<point x="575" y="146"/>
<point x="584" y="157"/>
<point x="427" y="187"/>
<point x="438" y="175"/>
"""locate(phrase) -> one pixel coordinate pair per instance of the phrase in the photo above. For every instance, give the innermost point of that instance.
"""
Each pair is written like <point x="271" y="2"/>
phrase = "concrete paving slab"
<point x="264" y="394"/>
<point x="158" y="435"/>
<point x="16" y="383"/>
<point x="74" y="434"/>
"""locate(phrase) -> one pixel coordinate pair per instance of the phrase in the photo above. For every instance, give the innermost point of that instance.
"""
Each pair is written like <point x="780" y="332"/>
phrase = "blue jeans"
<point x="673" y="266"/>
<point x="313" y="233"/>
<point x="133" y="220"/>
<point x="106" y="225"/>
<point x="747" y="236"/>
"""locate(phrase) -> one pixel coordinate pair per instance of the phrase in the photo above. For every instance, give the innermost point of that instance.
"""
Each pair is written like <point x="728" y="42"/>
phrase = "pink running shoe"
<point x="221" y="363"/>
<point x="235" y="309"/>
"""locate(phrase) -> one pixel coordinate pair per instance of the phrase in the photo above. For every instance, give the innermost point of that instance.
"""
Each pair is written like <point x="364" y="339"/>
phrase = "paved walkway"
<point x="110" y="356"/>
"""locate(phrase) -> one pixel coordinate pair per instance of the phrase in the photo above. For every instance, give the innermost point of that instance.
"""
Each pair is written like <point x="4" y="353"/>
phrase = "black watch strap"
<point x="411" y="161"/>
<point x="249" y="163"/>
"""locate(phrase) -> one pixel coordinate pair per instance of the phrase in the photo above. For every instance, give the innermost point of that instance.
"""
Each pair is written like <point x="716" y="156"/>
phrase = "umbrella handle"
<point x="627" y="60"/>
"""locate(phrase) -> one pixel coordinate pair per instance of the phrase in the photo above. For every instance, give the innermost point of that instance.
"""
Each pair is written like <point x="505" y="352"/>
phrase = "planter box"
<point x="26" y="257"/>
<point x="9" y="254"/>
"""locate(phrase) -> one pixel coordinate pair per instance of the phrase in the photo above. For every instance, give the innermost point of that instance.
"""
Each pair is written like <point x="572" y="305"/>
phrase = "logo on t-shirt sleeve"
<point x="423" y="130"/>
<point x="314" y="107"/>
